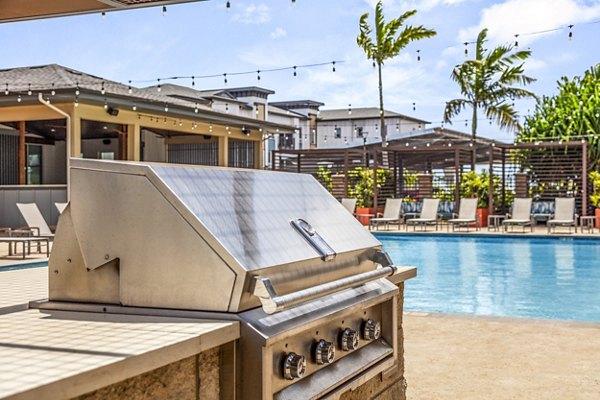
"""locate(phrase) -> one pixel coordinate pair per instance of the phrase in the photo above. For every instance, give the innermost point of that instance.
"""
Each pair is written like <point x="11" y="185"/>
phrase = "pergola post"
<point x="457" y="178"/>
<point x="491" y="189"/>
<point x="584" y="179"/>
<point x="22" y="156"/>
<point x="375" y="182"/>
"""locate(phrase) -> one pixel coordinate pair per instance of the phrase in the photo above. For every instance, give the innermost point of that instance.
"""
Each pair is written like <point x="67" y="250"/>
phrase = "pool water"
<point x="501" y="276"/>
<point x="14" y="267"/>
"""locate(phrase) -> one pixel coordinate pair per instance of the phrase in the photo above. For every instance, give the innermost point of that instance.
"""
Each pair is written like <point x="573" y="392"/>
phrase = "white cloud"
<point x="511" y="17"/>
<point x="253" y="14"/>
<point x="534" y="64"/>
<point x="278" y="33"/>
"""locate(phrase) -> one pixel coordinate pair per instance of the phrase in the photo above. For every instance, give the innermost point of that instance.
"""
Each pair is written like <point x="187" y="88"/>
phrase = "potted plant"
<point x="361" y="187"/>
<point x="477" y="185"/>
<point x="595" y="196"/>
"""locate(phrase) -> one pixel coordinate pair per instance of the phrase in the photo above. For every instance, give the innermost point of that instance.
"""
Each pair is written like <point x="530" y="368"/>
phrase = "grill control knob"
<point x="349" y="340"/>
<point x="371" y="330"/>
<point x="324" y="352"/>
<point x="294" y="366"/>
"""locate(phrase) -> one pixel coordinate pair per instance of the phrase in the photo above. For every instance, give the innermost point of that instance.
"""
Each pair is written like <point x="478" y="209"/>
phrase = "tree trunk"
<point x="474" y="136"/>
<point x="381" y="112"/>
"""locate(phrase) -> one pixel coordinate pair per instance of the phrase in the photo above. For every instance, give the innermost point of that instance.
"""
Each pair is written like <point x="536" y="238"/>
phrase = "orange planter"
<point x="597" y="214"/>
<point x="482" y="216"/>
<point x="364" y="215"/>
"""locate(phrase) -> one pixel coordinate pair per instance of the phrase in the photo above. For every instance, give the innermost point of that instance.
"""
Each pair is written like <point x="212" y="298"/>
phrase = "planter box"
<point x="597" y="214"/>
<point x="482" y="216"/>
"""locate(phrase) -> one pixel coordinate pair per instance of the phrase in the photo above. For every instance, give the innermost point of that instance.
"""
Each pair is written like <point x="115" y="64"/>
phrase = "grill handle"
<point x="271" y="303"/>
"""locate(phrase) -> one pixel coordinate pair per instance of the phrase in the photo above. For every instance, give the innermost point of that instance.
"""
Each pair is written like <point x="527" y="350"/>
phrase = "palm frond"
<point x="453" y="108"/>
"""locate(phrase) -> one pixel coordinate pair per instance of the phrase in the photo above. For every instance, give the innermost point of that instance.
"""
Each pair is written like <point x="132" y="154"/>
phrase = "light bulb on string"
<point x="571" y="31"/>
<point x="103" y="14"/>
<point x="225" y="78"/>
<point x="158" y="86"/>
<point x="295" y="74"/>
<point x="102" y="89"/>
<point x="193" y="81"/>
<point x="134" y="107"/>
<point x="517" y="41"/>
<point x="76" y="88"/>
<point x="466" y="49"/>
<point x="164" y="10"/>
<point x="418" y="55"/>
<point x="228" y="5"/>
<point x="19" y="99"/>
<point x="333" y="66"/>
<point x="76" y="101"/>
<point x="53" y="92"/>
<point x="129" y="89"/>
<point x="6" y="90"/>
<point x="258" y="75"/>
<point x="349" y="109"/>
<point x="414" y="106"/>
<point x="105" y="104"/>
<point x="196" y="108"/>
<point x="166" y="108"/>
<point x="29" y="90"/>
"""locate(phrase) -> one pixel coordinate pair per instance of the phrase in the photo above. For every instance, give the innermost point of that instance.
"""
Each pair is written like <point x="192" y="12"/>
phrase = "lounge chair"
<point x="467" y="215"/>
<point x="350" y="205"/>
<point x="564" y="214"/>
<point x="60" y="207"/>
<point x="391" y="214"/>
<point x="34" y="220"/>
<point x="521" y="215"/>
<point x="428" y="215"/>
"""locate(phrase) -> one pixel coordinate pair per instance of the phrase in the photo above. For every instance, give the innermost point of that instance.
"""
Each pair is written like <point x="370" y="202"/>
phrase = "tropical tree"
<point x="486" y="82"/>
<point x="572" y="114"/>
<point x="387" y="43"/>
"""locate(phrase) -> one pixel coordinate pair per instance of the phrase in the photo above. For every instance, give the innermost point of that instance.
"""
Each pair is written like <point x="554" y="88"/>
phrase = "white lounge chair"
<point x="428" y="215"/>
<point x="34" y="220"/>
<point x="467" y="215"/>
<point x="521" y="215"/>
<point x="350" y="205"/>
<point x="60" y="207"/>
<point x="391" y="214"/>
<point x="564" y="214"/>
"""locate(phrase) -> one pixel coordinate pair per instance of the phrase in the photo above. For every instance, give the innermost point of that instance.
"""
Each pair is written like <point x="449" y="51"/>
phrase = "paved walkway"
<point x="19" y="287"/>
<point x="462" y="357"/>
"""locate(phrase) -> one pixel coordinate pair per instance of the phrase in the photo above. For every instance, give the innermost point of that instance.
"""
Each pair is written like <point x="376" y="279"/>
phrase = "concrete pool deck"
<point x="466" y="357"/>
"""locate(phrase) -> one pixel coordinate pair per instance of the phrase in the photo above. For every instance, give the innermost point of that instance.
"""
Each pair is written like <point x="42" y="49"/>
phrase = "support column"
<point x="75" y="136"/>
<point x="491" y="188"/>
<point x="133" y="142"/>
<point x="22" y="156"/>
<point x="259" y="154"/>
<point x="223" y="151"/>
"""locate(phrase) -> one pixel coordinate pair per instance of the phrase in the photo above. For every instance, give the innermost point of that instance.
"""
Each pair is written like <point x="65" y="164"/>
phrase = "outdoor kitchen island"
<point x="316" y="303"/>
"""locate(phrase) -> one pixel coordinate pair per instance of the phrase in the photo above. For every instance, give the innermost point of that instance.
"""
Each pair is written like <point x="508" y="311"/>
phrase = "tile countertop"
<point x="62" y="354"/>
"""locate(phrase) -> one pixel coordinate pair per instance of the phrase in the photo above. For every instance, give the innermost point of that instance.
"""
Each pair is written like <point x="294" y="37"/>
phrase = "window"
<point x="34" y="164"/>
<point x="337" y="133"/>
<point x="286" y="141"/>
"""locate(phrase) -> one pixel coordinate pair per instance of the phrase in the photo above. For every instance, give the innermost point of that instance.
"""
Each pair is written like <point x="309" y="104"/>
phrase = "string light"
<point x="134" y="107"/>
<point x="166" y="108"/>
<point x="102" y="89"/>
<point x="516" y="41"/>
<point x="29" y="89"/>
<point x="53" y="92"/>
<point x="158" y="86"/>
<point x="193" y="81"/>
<point x="571" y="31"/>
<point x="196" y="108"/>
<point x="225" y="78"/>
<point x="295" y="70"/>
<point x="466" y="49"/>
<point x="333" y="66"/>
<point x="76" y="88"/>
<point x="258" y="75"/>
<point x="6" y="90"/>
<point x="103" y="14"/>
<point x="129" y="90"/>
<point x="164" y="10"/>
<point x="228" y="5"/>
<point x="105" y="104"/>
<point x="349" y="109"/>
<point x="19" y="99"/>
<point x="414" y="106"/>
<point x="418" y="55"/>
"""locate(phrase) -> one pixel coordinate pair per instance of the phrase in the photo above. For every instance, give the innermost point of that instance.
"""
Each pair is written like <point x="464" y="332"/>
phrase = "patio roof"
<point x="21" y="10"/>
<point x="65" y="82"/>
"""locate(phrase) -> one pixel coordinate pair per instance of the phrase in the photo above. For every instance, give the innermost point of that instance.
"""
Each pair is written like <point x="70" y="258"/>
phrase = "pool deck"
<point x="465" y="357"/>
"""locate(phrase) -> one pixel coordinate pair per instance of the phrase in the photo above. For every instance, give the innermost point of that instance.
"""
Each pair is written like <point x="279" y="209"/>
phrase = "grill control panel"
<point x="323" y="345"/>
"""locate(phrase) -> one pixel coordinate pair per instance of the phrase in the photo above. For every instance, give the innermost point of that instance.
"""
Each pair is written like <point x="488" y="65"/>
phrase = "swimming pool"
<point x="14" y="267"/>
<point x="554" y="278"/>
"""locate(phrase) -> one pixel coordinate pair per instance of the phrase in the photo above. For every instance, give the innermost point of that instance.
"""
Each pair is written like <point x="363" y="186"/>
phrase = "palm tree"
<point x="386" y="44"/>
<point x="486" y="83"/>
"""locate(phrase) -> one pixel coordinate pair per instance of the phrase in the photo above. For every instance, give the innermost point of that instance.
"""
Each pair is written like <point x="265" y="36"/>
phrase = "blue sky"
<point x="204" y="38"/>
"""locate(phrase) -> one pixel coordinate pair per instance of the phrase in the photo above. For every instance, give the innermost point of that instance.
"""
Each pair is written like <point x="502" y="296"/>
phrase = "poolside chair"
<point x="521" y="215"/>
<point x="350" y="205"/>
<point x="34" y="220"/>
<point x="564" y="214"/>
<point x="60" y="207"/>
<point x="428" y="215"/>
<point x="391" y="214"/>
<point x="467" y="215"/>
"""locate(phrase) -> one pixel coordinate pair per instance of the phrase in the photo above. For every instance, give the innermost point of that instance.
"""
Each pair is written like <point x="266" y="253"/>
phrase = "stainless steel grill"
<point x="272" y="250"/>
